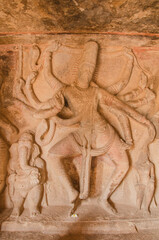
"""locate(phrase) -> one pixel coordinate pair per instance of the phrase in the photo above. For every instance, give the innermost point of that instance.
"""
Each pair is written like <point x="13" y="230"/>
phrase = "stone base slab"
<point x="101" y="227"/>
<point x="57" y="221"/>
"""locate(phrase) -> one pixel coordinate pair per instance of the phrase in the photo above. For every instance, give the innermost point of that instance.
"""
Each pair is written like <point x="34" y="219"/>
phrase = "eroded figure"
<point x="83" y="107"/>
<point x="4" y="154"/>
<point x="26" y="175"/>
<point x="144" y="182"/>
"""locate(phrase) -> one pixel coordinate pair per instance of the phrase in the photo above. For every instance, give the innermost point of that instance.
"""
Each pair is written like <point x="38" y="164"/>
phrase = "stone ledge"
<point x="60" y="223"/>
<point x="84" y="227"/>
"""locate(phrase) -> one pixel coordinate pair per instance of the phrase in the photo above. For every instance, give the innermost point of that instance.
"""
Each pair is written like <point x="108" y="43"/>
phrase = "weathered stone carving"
<point x="144" y="181"/>
<point x="3" y="163"/>
<point x="142" y="94"/>
<point x="5" y="125"/>
<point x="83" y="108"/>
<point x="27" y="175"/>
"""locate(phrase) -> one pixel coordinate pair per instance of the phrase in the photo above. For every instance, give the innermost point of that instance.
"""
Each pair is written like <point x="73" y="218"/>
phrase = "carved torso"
<point x="94" y="129"/>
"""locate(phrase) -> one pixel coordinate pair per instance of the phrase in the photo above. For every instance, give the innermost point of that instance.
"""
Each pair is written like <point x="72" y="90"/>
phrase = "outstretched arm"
<point x="44" y="114"/>
<point x="56" y="105"/>
<point x="113" y="102"/>
<point x="124" y="121"/>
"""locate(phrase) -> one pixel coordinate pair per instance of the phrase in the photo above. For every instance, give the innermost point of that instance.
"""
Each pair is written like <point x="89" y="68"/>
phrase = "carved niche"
<point x="87" y="130"/>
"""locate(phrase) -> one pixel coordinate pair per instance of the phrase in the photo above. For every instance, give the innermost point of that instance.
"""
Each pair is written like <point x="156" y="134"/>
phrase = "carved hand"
<point x="128" y="52"/>
<point x="59" y="100"/>
<point x="143" y="81"/>
<point x="31" y="78"/>
<point x="35" y="176"/>
<point x="128" y="144"/>
<point x="19" y="86"/>
<point x="151" y="129"/>
<point x="54" y="47"/>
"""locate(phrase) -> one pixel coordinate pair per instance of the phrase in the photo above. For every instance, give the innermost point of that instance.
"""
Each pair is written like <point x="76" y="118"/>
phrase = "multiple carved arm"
<point x="124" y="122"/>
<point x="121" y="109"/>
<point x="54" y="83"/>
<point x="43" y="109"/>
<point x="26" y="94"/>
<point x="125" y="75"/>
<point x="139" y="96"/>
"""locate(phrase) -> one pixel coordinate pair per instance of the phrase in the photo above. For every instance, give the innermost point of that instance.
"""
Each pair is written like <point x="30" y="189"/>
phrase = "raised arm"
<point x="125" y="74"/>
<point x="54" y="83"/>
<point x="29" y="92"/>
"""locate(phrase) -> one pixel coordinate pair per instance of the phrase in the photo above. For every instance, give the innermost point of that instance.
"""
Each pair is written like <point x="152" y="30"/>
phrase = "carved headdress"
<point x="90" y="52"/>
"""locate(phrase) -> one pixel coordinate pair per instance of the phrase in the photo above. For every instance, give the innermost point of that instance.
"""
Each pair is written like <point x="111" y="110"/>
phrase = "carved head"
<point x="87" y="64"/>
<point x="26" y="138"/>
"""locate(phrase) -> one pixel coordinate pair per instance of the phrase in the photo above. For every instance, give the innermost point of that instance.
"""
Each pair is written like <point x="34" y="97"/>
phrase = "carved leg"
<point x="61" y="151"/>
<point x="18" y="202"/>
<point x="140" y="190"/>
<point x="119" y="157"/>
<point x="58" y="167"/>
<point x="35" y="197"/>
<point x="149" y="193"/>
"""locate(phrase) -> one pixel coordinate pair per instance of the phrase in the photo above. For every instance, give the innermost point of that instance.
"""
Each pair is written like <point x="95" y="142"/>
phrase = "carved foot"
<point x="15" y="213"/>
<point x="76" y="204"/>
<point x="144" y="212"/>
<point x="107" y="206"/>
<point x="35" y="213"/>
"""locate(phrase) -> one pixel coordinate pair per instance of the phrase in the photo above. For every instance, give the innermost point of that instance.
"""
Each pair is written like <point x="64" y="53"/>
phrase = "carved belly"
<point x="97" y="137"/>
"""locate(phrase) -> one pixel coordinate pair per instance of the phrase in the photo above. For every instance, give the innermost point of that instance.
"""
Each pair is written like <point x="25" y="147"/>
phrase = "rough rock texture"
<point x="79" y="15"/>
<point x="34" y="236"/>
<point x="114" y="24"/>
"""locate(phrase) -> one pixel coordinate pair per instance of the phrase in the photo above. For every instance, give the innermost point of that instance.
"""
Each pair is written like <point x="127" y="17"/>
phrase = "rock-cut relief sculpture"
<point x="27" y="175"/>
<point x="10" y="129"/>
<point x="141" y="94"/>
<point x="83" y="107"/>
<point x="144" y="181"/>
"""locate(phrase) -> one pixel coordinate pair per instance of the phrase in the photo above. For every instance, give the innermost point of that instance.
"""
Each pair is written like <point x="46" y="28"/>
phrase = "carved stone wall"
<point x="79" y="129"/>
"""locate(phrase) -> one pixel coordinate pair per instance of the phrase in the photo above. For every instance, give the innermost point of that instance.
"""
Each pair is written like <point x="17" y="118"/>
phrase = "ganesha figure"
<point x="84" y="106"/>
<point x="26" y="175"/>
<point x="6" y="125"/>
